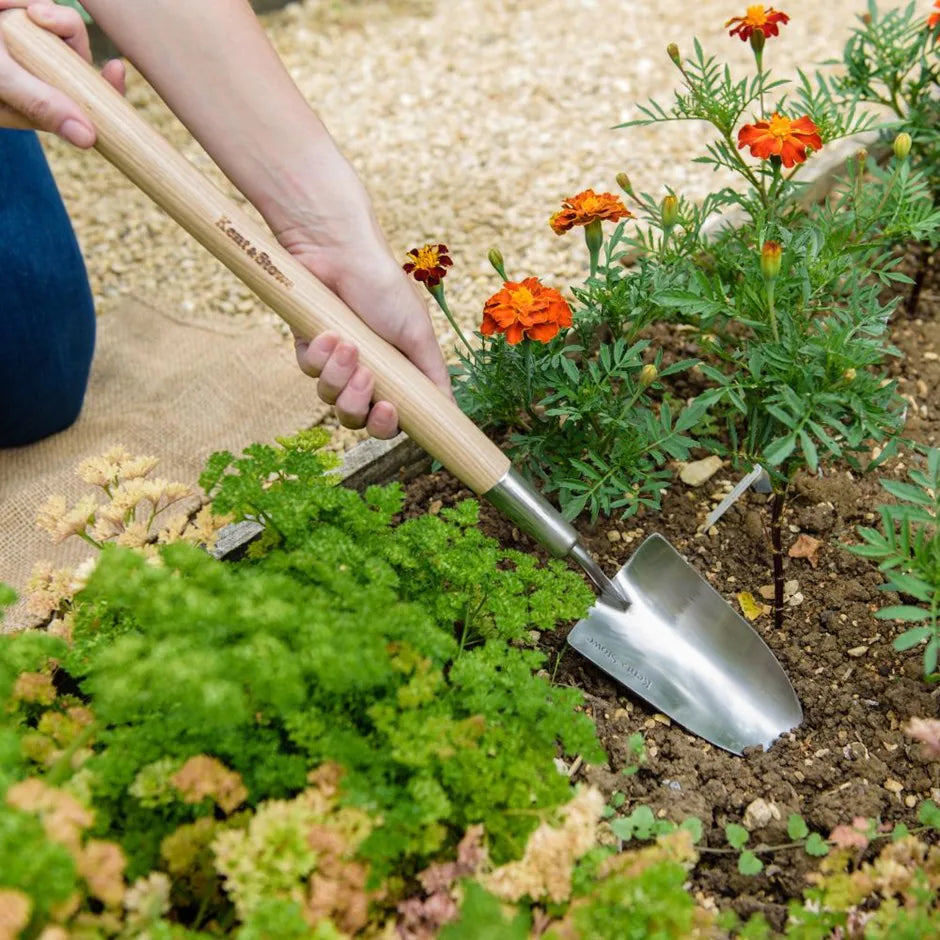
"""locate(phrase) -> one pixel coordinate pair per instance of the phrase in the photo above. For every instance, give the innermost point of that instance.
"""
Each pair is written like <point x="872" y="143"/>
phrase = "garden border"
<point x="375" y="462"/>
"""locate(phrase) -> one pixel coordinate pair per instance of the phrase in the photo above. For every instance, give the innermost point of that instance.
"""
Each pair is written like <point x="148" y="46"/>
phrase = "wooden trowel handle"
<point x="253" y="254"/>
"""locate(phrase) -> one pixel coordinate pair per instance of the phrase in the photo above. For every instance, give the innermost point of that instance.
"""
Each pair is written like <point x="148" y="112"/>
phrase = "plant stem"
<point x="914" y="297"/>
<point x="437" y="292"/>
<point x="594" y="237"/>
<point x="776" y="542"/>
<point x="772" y="309"/>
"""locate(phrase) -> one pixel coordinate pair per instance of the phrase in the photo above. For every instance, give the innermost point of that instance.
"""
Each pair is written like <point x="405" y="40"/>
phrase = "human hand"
<point x="362" y="271"/>
<point x="28" y="103"/>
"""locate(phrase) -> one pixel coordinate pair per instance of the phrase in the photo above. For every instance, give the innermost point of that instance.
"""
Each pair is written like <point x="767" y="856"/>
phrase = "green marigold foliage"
<point x="907" y="549"/>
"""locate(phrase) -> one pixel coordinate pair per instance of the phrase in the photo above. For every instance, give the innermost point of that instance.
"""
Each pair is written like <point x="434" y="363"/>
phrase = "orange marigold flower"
<point x="526" y="309"/>
<point x="758" y="19"/>
<point x="588" y="207"/>
<point x="934" y="17"/>
<point x="428" y="264"/>
<point x="781" y="137"/>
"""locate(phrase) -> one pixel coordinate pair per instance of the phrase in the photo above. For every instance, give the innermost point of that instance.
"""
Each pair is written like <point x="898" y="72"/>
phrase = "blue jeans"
<point x="47" y="319"/>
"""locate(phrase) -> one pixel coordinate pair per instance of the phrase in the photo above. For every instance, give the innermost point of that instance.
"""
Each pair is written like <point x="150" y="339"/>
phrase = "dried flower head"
<point x="47" y="588"/>
<point x="102" y="866"/>
<point x="63" y="818"/>
<point x="781" y="137"/>
<point x="203" y="776"/>
<point x="428" y="264"/>
<point x="113" y="466"/>
<point x="35" y="687"/>
<point x="526" y="310"/>
<point x="15" y="908"/>
<point x="588" y="207"/>
<point x="545" y="869"/>
<point x="766" y="21"/>
<point x="927" y="731"/>
<point x="60" y="522"/>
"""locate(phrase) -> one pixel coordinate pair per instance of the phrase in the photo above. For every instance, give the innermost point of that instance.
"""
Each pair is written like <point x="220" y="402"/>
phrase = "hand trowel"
<point x="657" y="627"/>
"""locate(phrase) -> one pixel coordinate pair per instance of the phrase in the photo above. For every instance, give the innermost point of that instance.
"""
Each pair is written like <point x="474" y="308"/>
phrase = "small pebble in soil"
<point x="760" y="814"/>
<point x="700" y="471"/>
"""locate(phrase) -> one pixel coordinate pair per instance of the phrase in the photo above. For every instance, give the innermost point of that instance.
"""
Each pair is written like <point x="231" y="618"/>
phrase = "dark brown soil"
<point x="850" y="757"/>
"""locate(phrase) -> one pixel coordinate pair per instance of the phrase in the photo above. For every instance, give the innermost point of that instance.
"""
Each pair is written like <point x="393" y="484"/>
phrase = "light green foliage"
<point x="33" y="864"/>
<point x="277" y="919"/>
<point x="642" y="825"/>
<point x="891" y="59"/>
<point x="907" y="549"/>
<point x="347" y="640"/>
<point x="482" y="915"/>
<point x="650" y="902"/>
<point x="796" y="827"/>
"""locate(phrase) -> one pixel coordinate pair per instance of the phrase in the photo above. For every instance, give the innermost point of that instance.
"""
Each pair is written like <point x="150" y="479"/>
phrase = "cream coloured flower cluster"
<point x="129" y="509"/>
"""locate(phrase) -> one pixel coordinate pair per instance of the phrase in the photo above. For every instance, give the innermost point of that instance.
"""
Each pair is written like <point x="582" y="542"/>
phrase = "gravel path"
<point x="469" y="120"/>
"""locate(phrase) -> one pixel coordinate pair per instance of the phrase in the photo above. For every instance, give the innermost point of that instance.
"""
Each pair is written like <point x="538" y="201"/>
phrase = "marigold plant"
<point x="787" y="302"/>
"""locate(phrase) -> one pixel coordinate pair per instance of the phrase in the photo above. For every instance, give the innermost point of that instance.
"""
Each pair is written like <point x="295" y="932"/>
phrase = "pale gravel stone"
<point x="469" y="120"/>
<point x="700" y="471"/>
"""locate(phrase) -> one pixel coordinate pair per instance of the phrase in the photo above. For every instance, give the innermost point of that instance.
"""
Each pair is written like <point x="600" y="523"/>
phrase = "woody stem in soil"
<point x="776" y="540"/>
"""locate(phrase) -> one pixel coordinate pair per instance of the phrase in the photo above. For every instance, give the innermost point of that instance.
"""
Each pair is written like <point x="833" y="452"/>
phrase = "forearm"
<point x="212" y="63"/>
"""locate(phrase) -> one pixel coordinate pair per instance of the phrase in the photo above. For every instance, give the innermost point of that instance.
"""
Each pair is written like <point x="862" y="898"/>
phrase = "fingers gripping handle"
<point x="253" y="254"/>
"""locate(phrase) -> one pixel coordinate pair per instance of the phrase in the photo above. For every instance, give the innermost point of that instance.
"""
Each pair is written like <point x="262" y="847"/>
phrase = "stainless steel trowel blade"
<point x="684" y="649"/>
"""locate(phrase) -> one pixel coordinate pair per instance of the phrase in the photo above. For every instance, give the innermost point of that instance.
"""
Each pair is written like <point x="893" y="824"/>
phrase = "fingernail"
<point x="77" y="133"/>
<point x="42" y="13"/>
<point x="345" y="354"/>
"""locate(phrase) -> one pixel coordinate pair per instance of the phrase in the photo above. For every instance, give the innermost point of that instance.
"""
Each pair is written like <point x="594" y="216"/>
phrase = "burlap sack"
<point x="177" y="390"/>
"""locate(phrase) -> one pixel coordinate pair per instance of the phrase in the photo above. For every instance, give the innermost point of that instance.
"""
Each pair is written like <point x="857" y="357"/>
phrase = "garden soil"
<point x="851" y="756"/>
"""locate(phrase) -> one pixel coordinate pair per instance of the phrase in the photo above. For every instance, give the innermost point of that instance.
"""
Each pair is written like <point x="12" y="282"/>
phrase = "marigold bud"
<point x="672" y="50"/>
<point x="849" y="375"/>
<point x="866" y="19"/>
<point x="670" y="211"/>
<point x="623" y="181"/>
<point x="757" y="41"/>
<point x="861" y="158"/>
<point x="495" y="257"/>
<point x="770" y="259"/>
<point x="902" y="145"/>
<point x="648" y="374"/>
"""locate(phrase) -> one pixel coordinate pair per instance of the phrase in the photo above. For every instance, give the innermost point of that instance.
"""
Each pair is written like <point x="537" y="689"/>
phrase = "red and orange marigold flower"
<point x="934" y="17"/>
<point x="588" y="207"/>
<point x="526" y="310"/>
<point x="428" y="264"/>
<point x="760" y="19"/>
<point x="781" y="137"/>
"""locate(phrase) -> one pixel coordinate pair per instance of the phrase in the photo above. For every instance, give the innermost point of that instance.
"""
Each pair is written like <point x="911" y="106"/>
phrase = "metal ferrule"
<point x="529" y="510"/>
<point x="534" y="514"/>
